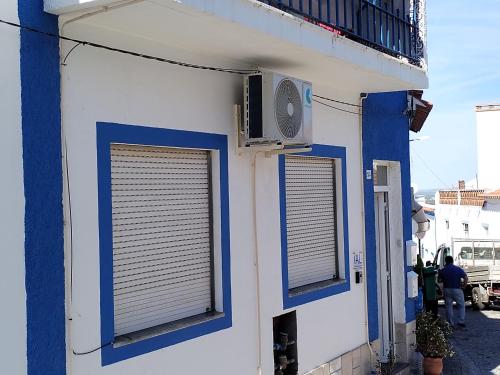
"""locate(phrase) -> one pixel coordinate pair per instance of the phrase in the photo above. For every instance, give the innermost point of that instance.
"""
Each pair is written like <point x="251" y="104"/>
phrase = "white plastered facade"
<point x="101" y="86"/>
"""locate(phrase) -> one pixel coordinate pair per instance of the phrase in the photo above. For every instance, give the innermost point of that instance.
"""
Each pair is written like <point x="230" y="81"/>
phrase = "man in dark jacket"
<point x="452" y="277"/>
<point x="430" y="296"/>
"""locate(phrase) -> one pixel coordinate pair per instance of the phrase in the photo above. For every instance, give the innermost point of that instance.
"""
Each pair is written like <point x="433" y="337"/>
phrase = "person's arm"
<point x="466" y="279"/>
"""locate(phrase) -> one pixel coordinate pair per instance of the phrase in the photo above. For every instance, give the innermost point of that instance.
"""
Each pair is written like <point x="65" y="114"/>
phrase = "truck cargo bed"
<point x="479" y="274"/>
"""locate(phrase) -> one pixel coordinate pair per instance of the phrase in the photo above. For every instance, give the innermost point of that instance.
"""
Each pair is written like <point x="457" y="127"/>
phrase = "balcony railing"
<point x="395" y="27"/>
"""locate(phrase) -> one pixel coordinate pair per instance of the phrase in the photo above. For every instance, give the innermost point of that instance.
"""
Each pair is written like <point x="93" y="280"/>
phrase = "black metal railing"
<point x="391" y="26"/>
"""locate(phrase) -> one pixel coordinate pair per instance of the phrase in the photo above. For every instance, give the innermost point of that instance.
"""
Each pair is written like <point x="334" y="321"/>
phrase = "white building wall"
<point x="483" y="223"/>
<point x="488" y="133"/>
<point x="429" y="243"/>
<point x="103" y="86"/>
<point x="12" y="269"/>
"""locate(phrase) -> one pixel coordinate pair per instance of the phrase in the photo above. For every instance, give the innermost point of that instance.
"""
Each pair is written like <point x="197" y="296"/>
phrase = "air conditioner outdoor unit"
<point x="277" y="110"/>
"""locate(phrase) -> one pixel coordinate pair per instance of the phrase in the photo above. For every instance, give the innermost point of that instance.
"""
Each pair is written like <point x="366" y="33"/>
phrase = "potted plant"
<point x="432" y="342"/>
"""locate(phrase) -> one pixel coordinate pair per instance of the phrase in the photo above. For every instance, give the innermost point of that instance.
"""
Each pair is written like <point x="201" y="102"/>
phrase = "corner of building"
<point x="43" y="215"/>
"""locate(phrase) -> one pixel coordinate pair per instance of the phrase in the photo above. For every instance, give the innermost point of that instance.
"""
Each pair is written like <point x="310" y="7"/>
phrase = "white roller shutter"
<point x="311" y="220"/>
<point x="162" y="241"/>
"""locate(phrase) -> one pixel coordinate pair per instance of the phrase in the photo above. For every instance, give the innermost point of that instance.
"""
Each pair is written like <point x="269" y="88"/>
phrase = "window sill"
<point x="166" y="328"/>
<point x="315" y="286"/>
<point x="312" y="292"/>
<point x="159" y="337"/>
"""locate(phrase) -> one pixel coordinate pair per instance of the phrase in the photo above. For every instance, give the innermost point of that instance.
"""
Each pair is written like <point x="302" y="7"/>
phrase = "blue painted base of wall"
<point x="385" y="137"/>
<point x="44" y="239"/>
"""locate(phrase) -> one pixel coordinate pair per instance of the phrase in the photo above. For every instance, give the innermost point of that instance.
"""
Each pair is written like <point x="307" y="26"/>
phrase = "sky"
<point x="464" y="71"/>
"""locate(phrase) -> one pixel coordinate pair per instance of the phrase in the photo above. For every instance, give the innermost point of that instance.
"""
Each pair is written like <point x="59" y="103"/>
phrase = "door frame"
<point x="384" y="272"/>
<point x="394" y="238"/>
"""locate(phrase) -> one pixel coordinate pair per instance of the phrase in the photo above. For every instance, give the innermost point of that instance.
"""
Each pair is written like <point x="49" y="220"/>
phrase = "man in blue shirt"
<point x="452" y="276"/>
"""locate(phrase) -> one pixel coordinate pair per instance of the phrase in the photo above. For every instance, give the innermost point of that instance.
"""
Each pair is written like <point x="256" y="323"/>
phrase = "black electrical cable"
<point x="69" y="53"/>
<point x="336" y="108"/>
<point x="168" y="61"/>
<point x="161" y="59"/>
<point x="126" y="52"/>
<point x="336" y="101"/>
<point x="93" y="350"/>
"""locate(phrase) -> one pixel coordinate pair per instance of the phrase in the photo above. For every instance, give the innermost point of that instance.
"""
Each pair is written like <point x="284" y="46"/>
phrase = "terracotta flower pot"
<point x="433" y="366"/>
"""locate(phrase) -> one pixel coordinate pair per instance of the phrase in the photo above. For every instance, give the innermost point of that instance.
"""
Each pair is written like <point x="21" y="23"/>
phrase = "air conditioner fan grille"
<point x="288" y="108"/>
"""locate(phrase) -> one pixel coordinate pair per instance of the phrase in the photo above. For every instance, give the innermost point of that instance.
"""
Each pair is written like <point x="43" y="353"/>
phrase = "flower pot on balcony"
<point x="433" y="366"/>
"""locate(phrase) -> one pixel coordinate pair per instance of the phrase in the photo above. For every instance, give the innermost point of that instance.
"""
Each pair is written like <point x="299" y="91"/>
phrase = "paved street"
<point x="477" y="346"/>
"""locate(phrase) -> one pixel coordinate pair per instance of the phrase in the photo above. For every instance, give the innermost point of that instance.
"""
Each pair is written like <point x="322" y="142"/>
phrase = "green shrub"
<point x="432" y="336"/>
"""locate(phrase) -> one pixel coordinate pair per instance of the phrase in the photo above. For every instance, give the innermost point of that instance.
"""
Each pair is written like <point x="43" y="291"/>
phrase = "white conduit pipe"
<point x="256" y="260"/>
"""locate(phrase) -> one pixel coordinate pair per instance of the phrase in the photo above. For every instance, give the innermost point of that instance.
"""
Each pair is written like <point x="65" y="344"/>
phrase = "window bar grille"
<point x="381" y="36"/>
<point x="360" y="19"/>
<point x="416" y="29"/>
<point x="337" y="22"/>
<point x="367" y="22"/>
<point x="345" y="14"/>
<point x="388" y="25"/>
<point x="399" y="32"/>
<point x="353" y="26"/>
<point x="410" y="35"/>
<point x="393" y="29"/>
<point x="404" y="27"/>
<point x="374" y="24"/>
<point x="387" y="32"/>
<point x="328" y="12"/>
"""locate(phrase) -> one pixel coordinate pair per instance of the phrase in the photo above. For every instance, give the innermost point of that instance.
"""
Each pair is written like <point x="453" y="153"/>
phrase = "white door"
<point x="385" y="313"/>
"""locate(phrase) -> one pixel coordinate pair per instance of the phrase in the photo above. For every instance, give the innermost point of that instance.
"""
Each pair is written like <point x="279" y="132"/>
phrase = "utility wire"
<point x="164" y="60"/>
<point x="336" y="108"/>
<point x="126" y="52"/>
<point x="168" y="61"/>
<point x="336" y="101"/>
<point x="429" y="168"/>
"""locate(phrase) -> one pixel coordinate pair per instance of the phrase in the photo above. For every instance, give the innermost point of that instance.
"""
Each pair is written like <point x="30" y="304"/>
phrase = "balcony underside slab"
<point x="250" y="34"/>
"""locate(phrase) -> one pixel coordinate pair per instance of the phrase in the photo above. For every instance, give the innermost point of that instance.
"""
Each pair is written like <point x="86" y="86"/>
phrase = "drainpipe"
<point x="256" y="260"/>
<point x="363" y="96"/>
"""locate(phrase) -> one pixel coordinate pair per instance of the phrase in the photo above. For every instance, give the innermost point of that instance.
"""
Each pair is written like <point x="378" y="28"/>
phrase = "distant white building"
<point x="141" y="236"/>
<point x="488" y="158"/>
<point x="473" y="210"/>
<point x="467" y="214"/>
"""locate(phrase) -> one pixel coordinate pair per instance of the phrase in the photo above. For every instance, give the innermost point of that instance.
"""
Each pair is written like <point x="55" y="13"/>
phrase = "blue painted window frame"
<point x="343" y="285"/>
<point x="108" y="133"/>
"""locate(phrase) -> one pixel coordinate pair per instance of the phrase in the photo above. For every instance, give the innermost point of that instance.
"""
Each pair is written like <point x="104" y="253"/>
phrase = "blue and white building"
<point x="139" y="238"/>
